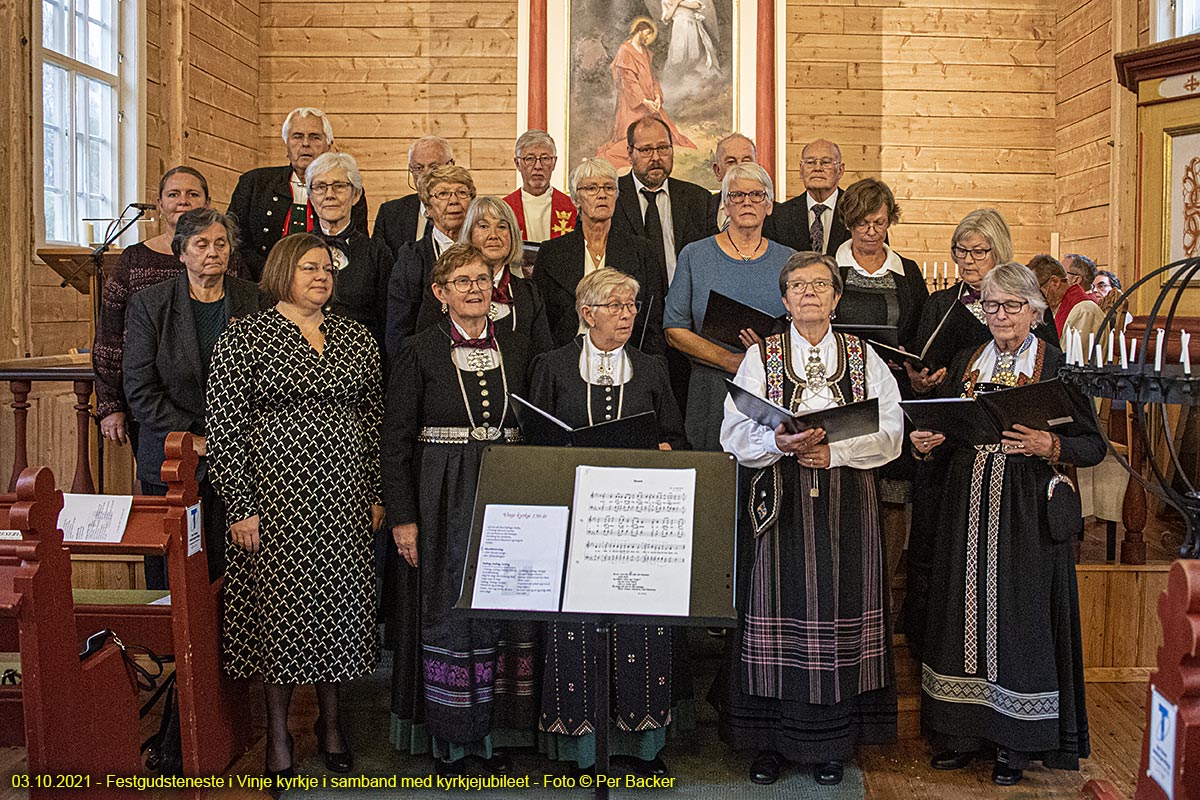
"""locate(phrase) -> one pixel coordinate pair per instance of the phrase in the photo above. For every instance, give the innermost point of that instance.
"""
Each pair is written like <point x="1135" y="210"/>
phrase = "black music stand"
<point x="546" y="476"/>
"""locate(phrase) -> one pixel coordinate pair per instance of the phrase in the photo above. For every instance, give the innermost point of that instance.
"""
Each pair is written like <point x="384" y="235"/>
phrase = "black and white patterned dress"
<point x="294" y="438"/>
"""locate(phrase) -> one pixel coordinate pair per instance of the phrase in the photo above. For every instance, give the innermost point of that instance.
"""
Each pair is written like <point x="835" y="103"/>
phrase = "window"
<point x="88" y="126"/>
<point x="1174" y="18"/>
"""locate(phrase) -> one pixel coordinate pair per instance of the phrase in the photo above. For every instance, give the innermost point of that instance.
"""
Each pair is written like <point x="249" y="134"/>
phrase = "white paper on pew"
<point x="7" y="534"/>
<point x="162" y="601"/>
<point x="520" y="557"/>
<point x="194" y="539"/>
<point x="94" y="517"/>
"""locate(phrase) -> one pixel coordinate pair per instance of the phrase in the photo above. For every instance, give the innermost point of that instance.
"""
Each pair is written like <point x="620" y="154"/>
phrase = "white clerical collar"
<point x="592" y="358"/>
<point x="638" y="186"/>
<point x="891" y="263"/>
<point x="536" y="199"/>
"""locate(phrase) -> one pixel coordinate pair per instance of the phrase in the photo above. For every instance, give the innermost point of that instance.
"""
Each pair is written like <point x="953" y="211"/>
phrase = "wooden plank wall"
<point x="1118" y="611"/>
<point x="387" y="73"/>
<point x="951" y="102"/>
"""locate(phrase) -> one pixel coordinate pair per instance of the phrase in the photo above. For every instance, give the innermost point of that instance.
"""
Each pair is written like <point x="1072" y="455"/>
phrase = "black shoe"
<point x="654" y="768"/>
<point x="1004" y="775"/>
<point x="764" y="770"/>
<point x="288" y="772"/>
<point x="952" y="759"/>
<point x="828" y="774"/>
<point x="445" y="768"/>
<point x="334" y="762"/>
<point x="499" y="764"/>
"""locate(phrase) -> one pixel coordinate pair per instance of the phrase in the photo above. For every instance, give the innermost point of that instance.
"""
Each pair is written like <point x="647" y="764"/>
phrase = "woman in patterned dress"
<point x="294" y="409"/>
<point x="447" y="400"/>
<point x="1002" y="666"/>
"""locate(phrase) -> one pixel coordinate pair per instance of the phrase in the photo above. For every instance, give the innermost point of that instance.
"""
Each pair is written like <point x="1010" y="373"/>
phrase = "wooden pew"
<point x="214" y="711"/>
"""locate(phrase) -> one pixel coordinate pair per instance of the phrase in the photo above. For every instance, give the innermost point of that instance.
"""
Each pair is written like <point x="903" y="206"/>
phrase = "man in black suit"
<point x="403" y="220"/>
<point x="736" y="148"/>
<point x="810" y="221"/>
<point x="679" y="214"/>
<point x="271" y="202"/>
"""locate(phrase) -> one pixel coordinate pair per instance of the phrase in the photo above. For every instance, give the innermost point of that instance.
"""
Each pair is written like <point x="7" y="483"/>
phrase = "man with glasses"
<point x="736" y="148"/>
<point x="1068" y="301"/>
<point x="404" y="219"/>
<point x="543" y="212"/>
<point x="271" y="202"/>
<point x="810" y="221"/>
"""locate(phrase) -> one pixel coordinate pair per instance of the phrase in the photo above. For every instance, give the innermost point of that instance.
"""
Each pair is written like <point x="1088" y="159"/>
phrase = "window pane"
<point x="95" y="35"/>
<point x="56" y="170"/>
<point x="54" y="26"/>
<point x="94" y="147"/>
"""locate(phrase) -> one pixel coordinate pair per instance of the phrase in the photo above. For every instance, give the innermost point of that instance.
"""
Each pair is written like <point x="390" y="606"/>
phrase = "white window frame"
<point x="128" y="124"/>
<point x="1173" y="18"/>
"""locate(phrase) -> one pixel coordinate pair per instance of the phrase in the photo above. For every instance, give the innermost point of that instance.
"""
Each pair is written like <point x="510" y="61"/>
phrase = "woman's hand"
<point x="924" y="382"/>
<point x="405" y="537"/>
<point x="1027" y="442"/>
<point x="749" y="338"/>
<point x="816" y="457"/>
<point x="376" y="516"/>
<point x="664" y="446"/>
<point x="245" y="534"/>
<point x="113" y="427"/>
<point x="798" y="443"/>
<point x="925" y="441"/>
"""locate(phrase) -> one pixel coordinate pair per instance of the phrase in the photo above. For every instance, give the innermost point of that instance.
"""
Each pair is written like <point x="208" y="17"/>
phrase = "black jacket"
<point x="261" y="202"/>
<point x="360" y="288"/>
<point x="411" y="274"/>
<point x="689" y="213"/>
<point x="164" y="377"/>
<point x="560" y="268"/>
<point x="396" y="222"/>
<point x="788" y="224"/>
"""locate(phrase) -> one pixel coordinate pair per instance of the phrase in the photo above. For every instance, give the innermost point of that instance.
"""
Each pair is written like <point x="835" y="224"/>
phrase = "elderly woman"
<point x="1002" y="661"/>
<point x="516" y="302"/>
<point x="598" y="377"/>
<point x="562" y="262"/>
<point x="363" y="264"/>
<point x="739" y="263"/>
<point x="445" y="193"/>
<point x="810" y="551"/>
<point x="447" y="400"/>
<point x="144" y="264"/>
<point x="294" y="409"/>
<point x="170" y="332"/>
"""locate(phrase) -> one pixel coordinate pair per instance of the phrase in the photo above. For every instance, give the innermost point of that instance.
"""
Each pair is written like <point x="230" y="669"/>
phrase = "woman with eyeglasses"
<point x="591" y="246"/>
<point x="808" y="674"/>
<point x="363" y="264"/>
<point x="1002" y="666"/>
<point x="740" y="263"/>
<point x="598" y="377"/>
<point x="294" y="403"/>
<point x="460" y="686"/>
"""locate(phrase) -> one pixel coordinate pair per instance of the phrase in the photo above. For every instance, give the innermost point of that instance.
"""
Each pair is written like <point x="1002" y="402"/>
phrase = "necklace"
<point x="738" y="249"/>
<point x="485" y="432"/>
<point x="600" y="381"/>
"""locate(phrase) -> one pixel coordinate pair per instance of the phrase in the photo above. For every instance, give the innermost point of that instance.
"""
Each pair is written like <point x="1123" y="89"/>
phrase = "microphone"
<point x="143" y="206"/>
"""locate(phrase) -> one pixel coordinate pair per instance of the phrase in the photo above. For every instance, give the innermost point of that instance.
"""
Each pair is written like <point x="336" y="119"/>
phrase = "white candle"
<point x="1185" y="355"/>
<point x="925" y="270"/>
<point x="1158" y="346"/>
<point x="1124" y="356"/>
<point x="955" y="270"/>
<point x="1133" y="340"/>
<point x="1091" y="344"/>
<point x="1099" y="356"/>
<point x="1080" y="353"/>
<point x="1111" y="335"/>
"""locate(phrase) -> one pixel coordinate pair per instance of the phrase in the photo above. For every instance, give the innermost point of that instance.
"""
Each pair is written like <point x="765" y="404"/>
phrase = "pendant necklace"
<point x="738" y="250"/>
<point x="480" y="360"/>
<point x="599" y="380"/>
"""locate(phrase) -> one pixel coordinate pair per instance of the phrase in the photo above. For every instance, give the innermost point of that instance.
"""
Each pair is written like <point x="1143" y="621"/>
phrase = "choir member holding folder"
<point x="809" y="669"/>
<point x="1002" y="669"/>
<point x="739" y="263"/>
<point x="597" y="378"/>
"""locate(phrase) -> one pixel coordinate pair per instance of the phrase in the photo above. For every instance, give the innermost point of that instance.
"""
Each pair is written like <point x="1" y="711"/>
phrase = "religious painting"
<point x="1182" y="194"/>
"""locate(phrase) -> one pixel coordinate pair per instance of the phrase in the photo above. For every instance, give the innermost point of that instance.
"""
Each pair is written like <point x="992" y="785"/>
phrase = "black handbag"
<point x="1064" y="509"/>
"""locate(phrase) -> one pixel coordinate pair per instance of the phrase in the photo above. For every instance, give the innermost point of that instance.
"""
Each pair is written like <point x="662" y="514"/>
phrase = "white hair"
<point x="446" y="148"/>
<point x="589" y="168"/>
<point x="747" y="172"/>
<point x="331" y="161"/>
<point x="308" y="112"/>
<point x="531" y="137"/>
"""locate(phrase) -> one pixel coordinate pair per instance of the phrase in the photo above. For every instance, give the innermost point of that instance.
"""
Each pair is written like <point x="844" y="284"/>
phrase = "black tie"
<point x="653" y="229"/>
<point x="816" y="233"/>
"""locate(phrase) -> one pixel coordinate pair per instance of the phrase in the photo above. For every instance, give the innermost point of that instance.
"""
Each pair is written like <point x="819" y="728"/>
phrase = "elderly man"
<point x="543" y="212"/>
<point x="1081" y="271"/>
<point x="810" y="221"/>
<point x="1068" y="302"/>
<point x="736" y="148"/>
<point x="271" y="202"/>
<point x="404" y="219"/>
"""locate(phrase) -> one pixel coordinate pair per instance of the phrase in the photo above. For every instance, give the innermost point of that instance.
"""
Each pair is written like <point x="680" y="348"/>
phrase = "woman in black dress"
<point x="461" y="687"/>
<point x="595" y="378"/>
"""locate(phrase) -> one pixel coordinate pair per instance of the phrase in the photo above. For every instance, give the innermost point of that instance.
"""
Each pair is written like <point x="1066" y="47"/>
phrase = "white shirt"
<point x="722" y="216"/>
<point x="892" y="263"/>
<point x="537" y="215"/>
<point x="299" y="191"/>
<point x="754" y="445"/>
<point x="986" y="363"/>
<point x="440" y="242"/>
<point x="422" y="220"/>
<point x="590" y="358"/>
<point x="826" y="217"/>
<point x="461" y="356"/>
<point x="663" y="201"/>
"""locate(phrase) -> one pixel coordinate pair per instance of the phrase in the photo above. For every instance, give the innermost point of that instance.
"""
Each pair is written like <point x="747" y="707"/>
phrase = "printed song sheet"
<point x="520" y="558"/>
<point x="631" y="541"/>
<point x="94" y="517"/>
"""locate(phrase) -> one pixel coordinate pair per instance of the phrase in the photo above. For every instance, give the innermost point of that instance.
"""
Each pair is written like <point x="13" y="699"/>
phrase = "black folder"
<point x="952" y="333"/>
<point x="840" y="422"/>
<point x="984" y="418"/>
<point x="725" y="319"/>
<point x="538" y="427"/>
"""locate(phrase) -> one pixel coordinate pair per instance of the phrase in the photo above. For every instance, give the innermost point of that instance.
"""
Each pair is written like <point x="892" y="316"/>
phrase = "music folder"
<point x="982" y="419"/>
<point x="945" y="341"/>
<point x="725" y="319"/>
<point x="840" y="422"/>
<point x="541" y="428"/>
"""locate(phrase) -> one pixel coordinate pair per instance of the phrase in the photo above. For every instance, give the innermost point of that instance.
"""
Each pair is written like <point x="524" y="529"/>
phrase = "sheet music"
<point x="631" y="541"/>
<point x="94" y="517"/>
<point x="520" y="557"/>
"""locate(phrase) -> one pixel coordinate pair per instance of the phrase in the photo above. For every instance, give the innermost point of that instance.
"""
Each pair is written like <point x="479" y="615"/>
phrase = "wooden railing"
<point x="20" y="383"/>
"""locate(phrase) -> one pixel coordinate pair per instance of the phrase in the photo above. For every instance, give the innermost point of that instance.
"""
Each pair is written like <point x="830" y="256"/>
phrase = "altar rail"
<point x="21" y="382"/>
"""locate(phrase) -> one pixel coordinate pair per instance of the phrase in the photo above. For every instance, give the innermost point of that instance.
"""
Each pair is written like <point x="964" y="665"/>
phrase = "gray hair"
<point x="590" y="168"/>
<point x="747" y="172"/>
<point x="1089" y="266"/>
<point x="1017" y="280"/>
<point x="306" y="111"/>
<point x="327" y="162"/>
<point x="489" y="206"/>
<point x="731" y="137"/>
<point x="439" y="141"/>
<point x="806" y="258"/>
<point x="597" y="285"/>
<point x="191" y="223"/>
<point x="531" y="137"/>
<point x="988" y="223"/>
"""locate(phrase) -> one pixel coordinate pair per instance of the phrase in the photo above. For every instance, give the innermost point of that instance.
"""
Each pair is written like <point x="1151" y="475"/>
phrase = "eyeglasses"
<point x="824" y="163"/>
<point x="757" y="196"/>
<point x="646" y="152"/>
<point x="598" y="188"/>
<point x="464" y="284"/>
<point x="446" y="194"/>
<point x="617" y="308"/>
<point x="865" y="225"/>
<point x="1009" y="306"/>
<point x="543" y="161"/>
<point x="310" y="269"/>
<point x="820" y="286"/>
<point x="337" y="187"/>
<point x="977" y="253"/>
